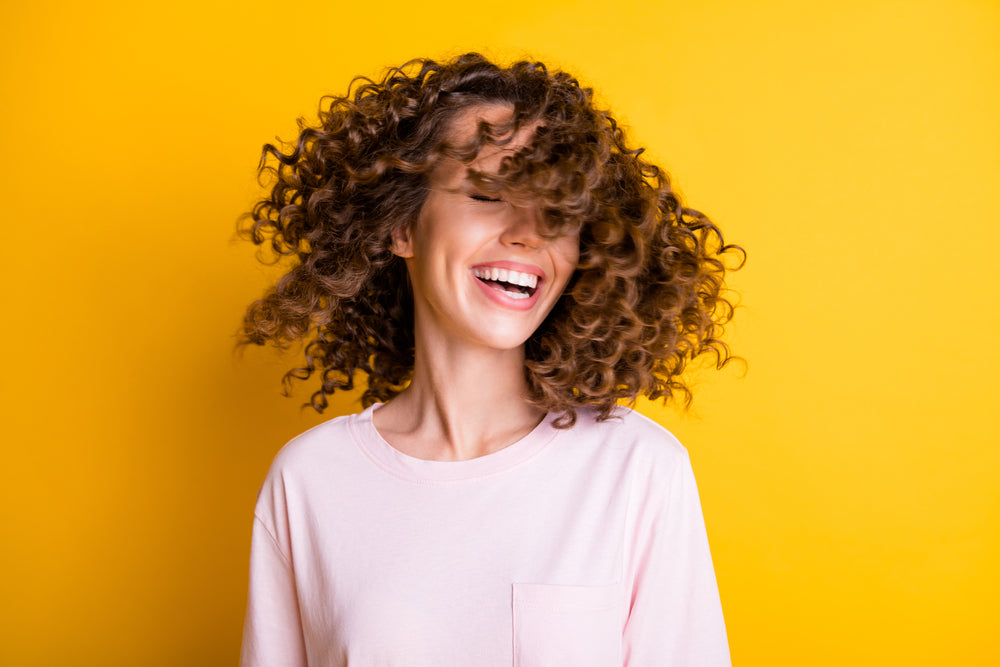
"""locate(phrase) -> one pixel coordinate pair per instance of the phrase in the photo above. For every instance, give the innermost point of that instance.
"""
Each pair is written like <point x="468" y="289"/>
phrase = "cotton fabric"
<point x="573" y="547"/>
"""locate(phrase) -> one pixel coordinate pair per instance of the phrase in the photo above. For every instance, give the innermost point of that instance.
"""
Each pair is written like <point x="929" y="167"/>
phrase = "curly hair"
<point x="647" y="296"/>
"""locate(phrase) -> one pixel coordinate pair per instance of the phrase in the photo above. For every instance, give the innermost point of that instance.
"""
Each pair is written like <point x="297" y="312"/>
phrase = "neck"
<point x="464" y="402"/>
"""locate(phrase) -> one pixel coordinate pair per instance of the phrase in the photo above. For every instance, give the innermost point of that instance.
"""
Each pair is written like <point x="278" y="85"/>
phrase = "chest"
<point x="427" y="574"/>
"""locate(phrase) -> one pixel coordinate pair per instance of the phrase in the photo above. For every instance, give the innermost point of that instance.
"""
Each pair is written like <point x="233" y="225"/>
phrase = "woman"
<point x="481" y="243"/>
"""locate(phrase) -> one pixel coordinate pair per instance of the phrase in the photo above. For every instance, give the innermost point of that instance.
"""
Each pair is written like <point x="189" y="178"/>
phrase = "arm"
<point x="272" y="631"/>
<point x="675" y="616"/>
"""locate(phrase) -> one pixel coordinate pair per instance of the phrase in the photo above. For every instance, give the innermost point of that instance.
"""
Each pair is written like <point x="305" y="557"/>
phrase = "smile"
<point x="514" y="284"/>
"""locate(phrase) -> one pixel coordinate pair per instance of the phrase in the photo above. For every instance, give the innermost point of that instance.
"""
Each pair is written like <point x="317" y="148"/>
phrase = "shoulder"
<point x="630" y="430"/>
<point x="320" y="441"/>
<point x="327" y="451"/>
<point x="310" y="467"/>
<point x="629" y="439"/>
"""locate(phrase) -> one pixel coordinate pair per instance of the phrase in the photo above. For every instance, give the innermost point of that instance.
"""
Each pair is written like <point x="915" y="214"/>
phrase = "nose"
<point x="522" y="228"/>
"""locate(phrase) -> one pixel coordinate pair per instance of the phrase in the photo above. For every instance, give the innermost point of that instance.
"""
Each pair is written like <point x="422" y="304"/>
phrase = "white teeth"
<point x="509" y="276"/>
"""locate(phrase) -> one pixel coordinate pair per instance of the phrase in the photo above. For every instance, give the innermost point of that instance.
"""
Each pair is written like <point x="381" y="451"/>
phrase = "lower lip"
<point x="502" y="299"/>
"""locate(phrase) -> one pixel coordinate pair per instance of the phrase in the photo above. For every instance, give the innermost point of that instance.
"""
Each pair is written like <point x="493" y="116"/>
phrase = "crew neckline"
<point x="411" y="468"/>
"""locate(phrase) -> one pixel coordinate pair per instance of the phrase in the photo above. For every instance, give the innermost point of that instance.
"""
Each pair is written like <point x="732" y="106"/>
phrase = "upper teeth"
<point x="506" y="276"/>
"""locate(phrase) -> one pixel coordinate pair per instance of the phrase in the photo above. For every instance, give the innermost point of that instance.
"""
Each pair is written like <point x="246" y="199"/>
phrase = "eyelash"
<point x="484" y="198"/>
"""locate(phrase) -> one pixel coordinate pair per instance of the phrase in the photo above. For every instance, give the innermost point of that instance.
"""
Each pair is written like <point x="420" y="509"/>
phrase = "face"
<point x="481" y="272"/>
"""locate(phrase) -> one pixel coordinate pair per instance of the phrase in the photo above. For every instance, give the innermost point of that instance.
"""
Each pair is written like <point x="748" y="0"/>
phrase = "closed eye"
<point x="484" y="198"/>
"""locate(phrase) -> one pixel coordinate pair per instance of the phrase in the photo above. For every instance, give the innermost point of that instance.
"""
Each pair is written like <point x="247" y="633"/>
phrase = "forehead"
<point x="450" y="172"/>
<point x="464" y="124"/>
<point x="465" y="127"/>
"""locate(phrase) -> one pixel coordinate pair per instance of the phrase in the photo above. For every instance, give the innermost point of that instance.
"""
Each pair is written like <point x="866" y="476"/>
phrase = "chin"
<point x="502" y="340"/>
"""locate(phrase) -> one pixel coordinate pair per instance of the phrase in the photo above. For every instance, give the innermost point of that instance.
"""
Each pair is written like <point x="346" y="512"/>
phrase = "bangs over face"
<point x="481" y="271"/>
<point x="646" y="298"/>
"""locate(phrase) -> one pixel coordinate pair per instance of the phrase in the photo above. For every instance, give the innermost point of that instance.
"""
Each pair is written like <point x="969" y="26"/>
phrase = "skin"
<point x="467" y="397"/>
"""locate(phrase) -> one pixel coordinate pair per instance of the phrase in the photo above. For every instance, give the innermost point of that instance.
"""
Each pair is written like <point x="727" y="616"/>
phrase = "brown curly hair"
<point x="646" y="298"/>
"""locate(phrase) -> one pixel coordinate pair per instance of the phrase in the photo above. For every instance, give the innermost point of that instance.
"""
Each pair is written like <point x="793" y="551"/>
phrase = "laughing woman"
<point x="483" y="245"/>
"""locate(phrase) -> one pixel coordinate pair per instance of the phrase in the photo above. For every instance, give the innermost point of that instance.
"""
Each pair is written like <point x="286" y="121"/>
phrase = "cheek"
<point x="567" y="254"/>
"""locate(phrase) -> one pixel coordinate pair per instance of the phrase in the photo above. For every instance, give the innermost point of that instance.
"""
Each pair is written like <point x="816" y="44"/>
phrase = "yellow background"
<point x="851" y="478"/>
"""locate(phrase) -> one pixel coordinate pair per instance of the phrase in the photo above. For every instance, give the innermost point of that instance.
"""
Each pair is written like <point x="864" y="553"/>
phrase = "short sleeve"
<point x="272" y="630"/>
<point x="675" y="615"/>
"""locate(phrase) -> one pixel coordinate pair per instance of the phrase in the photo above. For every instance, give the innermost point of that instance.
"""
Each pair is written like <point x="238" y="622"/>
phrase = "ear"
<point x="402" y="240"/>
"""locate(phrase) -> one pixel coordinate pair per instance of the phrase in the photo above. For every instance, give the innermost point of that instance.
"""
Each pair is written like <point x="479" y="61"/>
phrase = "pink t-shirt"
<point x="570" y="547"/>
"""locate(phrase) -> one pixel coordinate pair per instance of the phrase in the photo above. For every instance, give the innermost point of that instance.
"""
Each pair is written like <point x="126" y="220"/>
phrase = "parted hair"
<point x="647" y="297"/>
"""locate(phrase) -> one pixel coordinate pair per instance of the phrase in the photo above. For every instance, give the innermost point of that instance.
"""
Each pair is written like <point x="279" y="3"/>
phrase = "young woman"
<point x="485" y="247"/>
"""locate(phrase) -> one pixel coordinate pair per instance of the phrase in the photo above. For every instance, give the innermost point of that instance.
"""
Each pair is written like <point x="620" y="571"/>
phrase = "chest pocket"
<point x="571" y="626"/>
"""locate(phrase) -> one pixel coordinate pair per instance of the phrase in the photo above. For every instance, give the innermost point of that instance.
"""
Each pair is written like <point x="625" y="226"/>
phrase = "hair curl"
<point x="646" y="298"/>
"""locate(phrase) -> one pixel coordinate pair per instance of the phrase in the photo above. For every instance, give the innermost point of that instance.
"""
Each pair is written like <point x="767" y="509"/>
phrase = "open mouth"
<point x="515" y="284"/>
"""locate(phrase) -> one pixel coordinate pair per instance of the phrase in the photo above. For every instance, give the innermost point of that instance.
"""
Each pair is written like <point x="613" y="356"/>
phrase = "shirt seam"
<point x="274" y="540"/>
